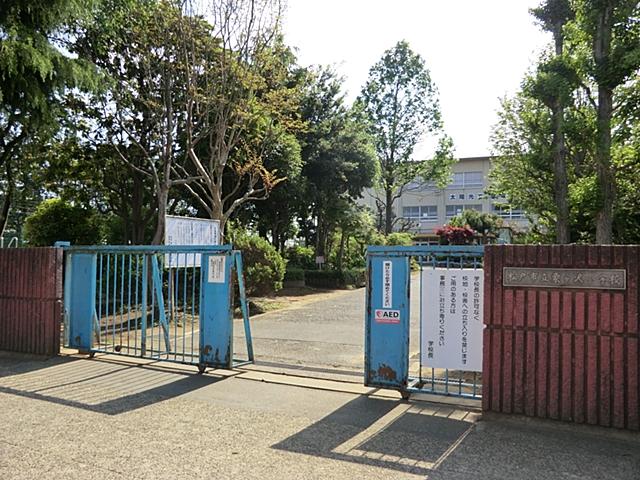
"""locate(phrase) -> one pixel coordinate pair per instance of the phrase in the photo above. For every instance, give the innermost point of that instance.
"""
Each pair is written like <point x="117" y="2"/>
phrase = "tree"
<point x="400" y="102"/>
<point x="34" y="72"/>
<point x="138" y="45"/>
<point x="525" y="137"/>
<point x="553" y="85"/>
<point x="613" y="29"/>
<point x="339" y="158"/>
<point x="56" y="219"/>
<point x="236" y="108"/>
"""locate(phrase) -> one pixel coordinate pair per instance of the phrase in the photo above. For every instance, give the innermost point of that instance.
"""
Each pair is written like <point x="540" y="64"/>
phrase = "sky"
<point x="477" y="51"/>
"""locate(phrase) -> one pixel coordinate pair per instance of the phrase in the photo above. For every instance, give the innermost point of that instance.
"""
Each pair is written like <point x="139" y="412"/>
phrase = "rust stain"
<point x="386" y="372"/>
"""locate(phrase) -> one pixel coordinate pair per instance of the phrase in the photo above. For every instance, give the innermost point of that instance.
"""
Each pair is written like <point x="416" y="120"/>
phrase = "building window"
<point x="429" y="212"/>
<point x="461" y="196"/>
<point x="453" y="210"/>
<point x="473" y="179"/>
<point x="411" y="212"/>
<point x="504" y="211"/>
<point x="452" y="196"/>
<point x="466" y="180"/>
<point x="471" y="196"/>
<point x="425" y="212"/>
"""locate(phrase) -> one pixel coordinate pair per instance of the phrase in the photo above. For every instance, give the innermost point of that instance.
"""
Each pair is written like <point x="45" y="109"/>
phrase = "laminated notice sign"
<point x="189" y="231"/>
<point x="387" y="284"/>
<point x="452" y="323"/>
<point x="216" y="269"/>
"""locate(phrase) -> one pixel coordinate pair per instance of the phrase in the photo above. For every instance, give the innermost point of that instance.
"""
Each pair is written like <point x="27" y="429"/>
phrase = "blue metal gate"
<point x="390" y="361"/>
<point x="170" y="303"/>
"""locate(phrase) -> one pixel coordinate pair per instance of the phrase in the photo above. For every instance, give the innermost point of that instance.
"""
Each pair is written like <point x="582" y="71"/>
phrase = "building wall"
<point x="470" y="179"/>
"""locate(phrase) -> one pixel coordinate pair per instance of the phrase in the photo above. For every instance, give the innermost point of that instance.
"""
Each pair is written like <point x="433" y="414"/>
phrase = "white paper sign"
<point x="216" y="269"/>
<point x="452" y="318"/>
<point x="387" y="284"/>
<point x="189" y="231"/>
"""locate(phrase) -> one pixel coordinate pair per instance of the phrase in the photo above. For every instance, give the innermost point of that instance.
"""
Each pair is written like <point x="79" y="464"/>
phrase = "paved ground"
<point x="112" y="419"/>
<point x="325" y="333"/>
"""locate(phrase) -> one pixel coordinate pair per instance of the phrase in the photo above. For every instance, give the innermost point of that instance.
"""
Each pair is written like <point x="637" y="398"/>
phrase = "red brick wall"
<point x="30" y="300"/>
<point x="567" y="354"/>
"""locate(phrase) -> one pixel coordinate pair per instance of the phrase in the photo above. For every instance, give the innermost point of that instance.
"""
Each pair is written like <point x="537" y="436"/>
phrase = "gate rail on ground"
<point x="388" y="314"/>
<point x="170" y="303"/>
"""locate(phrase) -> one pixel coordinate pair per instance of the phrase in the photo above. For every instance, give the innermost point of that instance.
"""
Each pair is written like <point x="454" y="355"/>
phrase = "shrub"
<point x="399" y="238"/>
<point x="264" y="267"/>
<point x="294" y="274"/>
<point x="334" y="278"/>
<point x="301" y="257"/>
<point x="455" y="235"/>
<point x="355" y="276"/>
<point x="56" y="219"/>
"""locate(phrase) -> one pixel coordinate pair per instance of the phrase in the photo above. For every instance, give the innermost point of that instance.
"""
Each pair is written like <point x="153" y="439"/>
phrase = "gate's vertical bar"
<point x="143" y="328"/>
<point x="106" y="302"/>
<point x="216" y="310"/>
<point x="82" y="299"/>
<point x="129" y="305"/>
<point x="113" y="307"/>
<point x="122" y="264"/>
<point x="184" y="307"/>
<point x="244" y="306"/>
<point x="162" y="319"/>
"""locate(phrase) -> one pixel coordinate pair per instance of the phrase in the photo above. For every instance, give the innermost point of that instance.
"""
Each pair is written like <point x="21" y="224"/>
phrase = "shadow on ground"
<point x="385" y="433"/>
<point x="101" y="385"/>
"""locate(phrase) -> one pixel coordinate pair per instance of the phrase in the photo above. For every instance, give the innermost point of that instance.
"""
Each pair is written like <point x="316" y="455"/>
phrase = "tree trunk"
<point x="605" y="174"/>
<point x="388" y="220"/>
<point x="6" y="204"/>
<point x="340" y="251"/>
<point x="6" y="207"/>
<point x="606" y="178"/>
<point x="561" y="190"/>
<point x="158" y="237"/>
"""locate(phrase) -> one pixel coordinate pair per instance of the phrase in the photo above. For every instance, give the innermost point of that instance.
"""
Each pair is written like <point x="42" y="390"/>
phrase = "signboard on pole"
<point x="452" y="318"/>
<point x="189" y="231"/>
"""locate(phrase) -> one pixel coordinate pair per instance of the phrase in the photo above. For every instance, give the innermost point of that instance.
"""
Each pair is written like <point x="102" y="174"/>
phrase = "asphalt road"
<point x="323" y="333"/>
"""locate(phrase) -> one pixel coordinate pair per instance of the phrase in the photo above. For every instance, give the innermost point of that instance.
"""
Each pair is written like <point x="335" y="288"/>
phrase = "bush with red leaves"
<point x="455" y="235"/>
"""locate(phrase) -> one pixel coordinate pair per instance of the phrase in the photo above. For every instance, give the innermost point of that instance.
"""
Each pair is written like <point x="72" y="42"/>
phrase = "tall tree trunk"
<point x="604" y="171"/>
<point x="163" y="194"/>
<point x="388" y="219"/>
<point x="561" y="190"/>
<point x="340" y="251"/>
<point x="8" y="197"/>
<point x="606" y="177"/>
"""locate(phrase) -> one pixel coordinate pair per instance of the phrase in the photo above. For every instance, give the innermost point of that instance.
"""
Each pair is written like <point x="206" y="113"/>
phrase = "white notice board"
<point x="452" y="318"/>
<point x="189" y="231"/>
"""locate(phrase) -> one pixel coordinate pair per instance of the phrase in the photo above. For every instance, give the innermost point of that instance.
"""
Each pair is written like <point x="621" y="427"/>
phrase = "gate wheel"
<point x="201" y="368"/>
<point x="405" y="395"/>
<point x="92" y="354"/>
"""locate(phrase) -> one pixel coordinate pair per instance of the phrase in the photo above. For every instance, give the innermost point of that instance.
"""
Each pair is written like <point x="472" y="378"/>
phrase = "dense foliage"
<point x="567" y="142"/>
<point x="56" y="220"/>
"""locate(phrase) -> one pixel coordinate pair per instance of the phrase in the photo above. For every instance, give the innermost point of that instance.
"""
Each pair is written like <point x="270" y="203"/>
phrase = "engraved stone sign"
<point x="598" y="278"/>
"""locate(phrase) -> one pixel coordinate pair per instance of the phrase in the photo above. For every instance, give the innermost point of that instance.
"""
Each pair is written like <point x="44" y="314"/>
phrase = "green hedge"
<point x="294" y="274"/>
<point x="335" y="279"/>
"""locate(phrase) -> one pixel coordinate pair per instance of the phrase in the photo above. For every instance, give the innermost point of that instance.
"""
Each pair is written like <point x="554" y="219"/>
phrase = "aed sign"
<point x="387" y="316"/>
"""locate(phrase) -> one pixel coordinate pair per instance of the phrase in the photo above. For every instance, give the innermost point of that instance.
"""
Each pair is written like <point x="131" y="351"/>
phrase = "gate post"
<point x="387" y="321"/>
<point x="216" y="310"/>
<point x="80" y="298"/>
